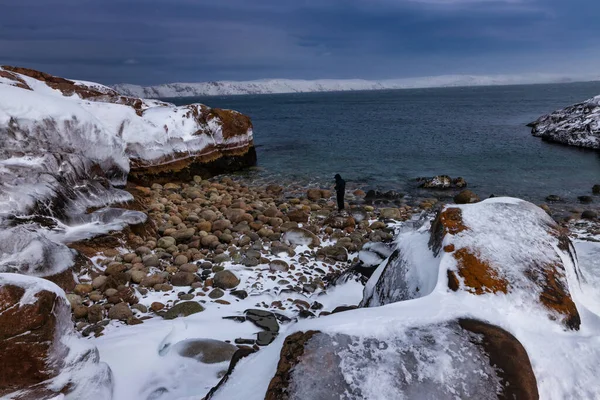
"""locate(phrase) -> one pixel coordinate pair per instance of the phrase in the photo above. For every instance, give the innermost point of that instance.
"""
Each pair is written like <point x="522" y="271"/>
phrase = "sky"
<point x="158" y="41"/>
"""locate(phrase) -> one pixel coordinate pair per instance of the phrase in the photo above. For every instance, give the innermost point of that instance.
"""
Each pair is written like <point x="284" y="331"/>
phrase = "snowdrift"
<point x="493" y="283"/>
<point x="576" y="125"/>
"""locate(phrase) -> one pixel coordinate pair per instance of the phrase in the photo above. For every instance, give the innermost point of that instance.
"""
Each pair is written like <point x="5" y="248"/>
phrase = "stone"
<point x="337" y="253"/>
<point x="152" y="280"/>
<point x="300" y="237"/>
<point x="157" y="306"/>
<point x="553" y="198"/>
<point x="193" y="268"/>
<point x="120" y="311"/>
<point x="313" y="194"/>
<point x="263" y="319"/>
<point x="596" y="189"/>
<point x="150" y="260"/>
<point x="298" y="216"/>
<point x="340" y="222"/>
<point x="99" y="281"/>
<point x="208" y="351"/>
<point x="589" y="214"/>
<point x="137" y="276"/>
<point x="165" y="242"/>
<point x="216" y="293"/>
<point x="183" y="235"/>
<point x="180" y="260"/>
<point x="466" y="197"/>
<point x="95" y="313"/>
<point x="183" y="279"/>
<point x="278" y="265"/>
<point x="80" y="312"/>
<point x="183" y="309"/>
<point x="140" y="307"/>
<point x="225" y="280"/>
<point x="210" y="241"/>
<point x="585" y="199"/>
<point x="221" y="225"/>
<point x="390" y="213"/>
<point x="240" y="294"/>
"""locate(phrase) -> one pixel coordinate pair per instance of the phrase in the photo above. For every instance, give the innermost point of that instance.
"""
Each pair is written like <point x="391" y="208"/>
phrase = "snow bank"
<point x="65" y="145"/>
<point x="272" y="86"/>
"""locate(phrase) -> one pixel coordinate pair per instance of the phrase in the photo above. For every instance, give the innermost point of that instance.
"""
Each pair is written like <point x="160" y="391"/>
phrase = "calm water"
<point x="386" y="139"/>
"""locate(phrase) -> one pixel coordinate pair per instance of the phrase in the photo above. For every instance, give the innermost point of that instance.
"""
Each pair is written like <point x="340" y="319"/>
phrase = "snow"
<point x="274" y="86"/>
<point x="564" y="361"/>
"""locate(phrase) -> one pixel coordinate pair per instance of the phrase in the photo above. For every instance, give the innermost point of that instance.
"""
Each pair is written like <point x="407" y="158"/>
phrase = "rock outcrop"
<point x="40" y="355"/>
<point x="510" y="247"/>
<point x="576" y="125"/>
<point x="492" y="363"/>
<point x="65" y="147"/>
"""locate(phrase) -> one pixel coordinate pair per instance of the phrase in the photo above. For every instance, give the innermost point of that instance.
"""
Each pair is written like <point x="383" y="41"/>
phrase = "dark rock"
<point x="585" y="199"/>
<point x="466" y="197"/>
<point x="263" y="319"/>
<point x="553" y="198"/>
<point x="265" y="338"/>
<point x="240" y="294"/>
<point x="589" y="214"/>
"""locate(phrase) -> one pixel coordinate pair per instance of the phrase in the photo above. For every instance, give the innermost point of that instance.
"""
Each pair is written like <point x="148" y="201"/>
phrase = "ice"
<point x="437" y="362"/>
<point x="334" y="85"/>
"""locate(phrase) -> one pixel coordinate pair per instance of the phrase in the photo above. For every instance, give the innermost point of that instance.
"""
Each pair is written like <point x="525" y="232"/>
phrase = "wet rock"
<point x="390" y="213"/>
<point x="265" y="338"/>
<point x="183" y="309"/>
<point x="596" y="189"/>
<point x="585" y="199"/>
<point x="553" y="198"/>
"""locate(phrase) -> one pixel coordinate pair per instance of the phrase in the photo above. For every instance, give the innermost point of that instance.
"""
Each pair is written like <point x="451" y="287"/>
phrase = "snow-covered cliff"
<point x="272" y="86"/>
<point x="576" y="125"/>
<point x="65" y="145"/>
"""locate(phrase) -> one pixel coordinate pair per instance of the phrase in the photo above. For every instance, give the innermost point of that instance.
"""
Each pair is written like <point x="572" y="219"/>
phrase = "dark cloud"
<point x="155" y="41"/>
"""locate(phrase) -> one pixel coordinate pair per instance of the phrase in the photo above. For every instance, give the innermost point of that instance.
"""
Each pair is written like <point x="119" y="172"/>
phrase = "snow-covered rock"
<point x="492" y="283"/>
<point x="267" y="86"/>
<point x="65" y="145"/>
<point x="40" y="353"/>
<point x="576" y="125"/>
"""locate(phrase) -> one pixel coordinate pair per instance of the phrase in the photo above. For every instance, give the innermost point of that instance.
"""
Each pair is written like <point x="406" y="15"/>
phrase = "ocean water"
<point x="386" y="139"/>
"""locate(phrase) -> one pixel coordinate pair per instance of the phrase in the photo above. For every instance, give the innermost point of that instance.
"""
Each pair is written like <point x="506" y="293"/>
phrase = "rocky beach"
<point x="136" y="265"/>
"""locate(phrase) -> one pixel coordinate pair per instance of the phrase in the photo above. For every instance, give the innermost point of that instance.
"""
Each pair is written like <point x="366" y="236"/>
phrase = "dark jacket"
<point x="340" y="184"/>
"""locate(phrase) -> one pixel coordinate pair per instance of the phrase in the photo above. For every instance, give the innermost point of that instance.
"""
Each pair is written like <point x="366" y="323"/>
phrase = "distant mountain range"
<point x="271" y="86"/>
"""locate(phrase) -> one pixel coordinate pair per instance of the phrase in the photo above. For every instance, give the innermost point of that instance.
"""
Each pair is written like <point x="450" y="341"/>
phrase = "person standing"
<point x="340" y="189"/>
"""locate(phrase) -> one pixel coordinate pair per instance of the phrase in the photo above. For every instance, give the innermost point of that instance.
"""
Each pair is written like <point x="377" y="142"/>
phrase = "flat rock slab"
<point x="263" y="319"/>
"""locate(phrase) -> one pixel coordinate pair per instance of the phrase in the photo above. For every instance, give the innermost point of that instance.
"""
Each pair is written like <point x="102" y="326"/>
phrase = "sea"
<point x="385" y="140"/>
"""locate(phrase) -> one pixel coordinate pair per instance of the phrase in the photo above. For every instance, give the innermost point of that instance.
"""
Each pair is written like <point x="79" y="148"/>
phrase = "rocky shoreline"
<point x="217" y="241"/>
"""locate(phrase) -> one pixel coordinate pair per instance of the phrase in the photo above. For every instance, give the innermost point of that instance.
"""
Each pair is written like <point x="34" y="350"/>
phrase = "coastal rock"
<point x="441" y="182"/>
<point x="489" y="363"/>
<point x="37" y="343"/>
<point x="208" y="351"/>
<point x="183" y="309"/>
<point x="300" y="237"/>
<point x="468" y="234"/>
<point x="466" y="197"/>
<point x="576" y="125"/>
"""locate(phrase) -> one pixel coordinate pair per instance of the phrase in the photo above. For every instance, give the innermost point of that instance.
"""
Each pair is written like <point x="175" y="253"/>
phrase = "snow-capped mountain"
<point x="273" y="86"/>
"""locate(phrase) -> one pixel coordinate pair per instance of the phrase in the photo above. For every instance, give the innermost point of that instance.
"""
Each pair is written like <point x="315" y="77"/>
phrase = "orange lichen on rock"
<point x="449" y="248"/>
<point x="555" y="295"/>
<point x="478" y="274"/>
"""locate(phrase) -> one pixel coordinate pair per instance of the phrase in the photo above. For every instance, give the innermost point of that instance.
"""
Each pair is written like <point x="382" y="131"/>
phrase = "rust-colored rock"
<point x="29" y="353"/>
<point x="292" y="350"/>
<point x="479" y="275"/>
<point x="509" y="357"/>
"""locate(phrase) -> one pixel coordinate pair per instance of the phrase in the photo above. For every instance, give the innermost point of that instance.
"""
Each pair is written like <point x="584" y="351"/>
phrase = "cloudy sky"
<point x="158" y="41"/>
